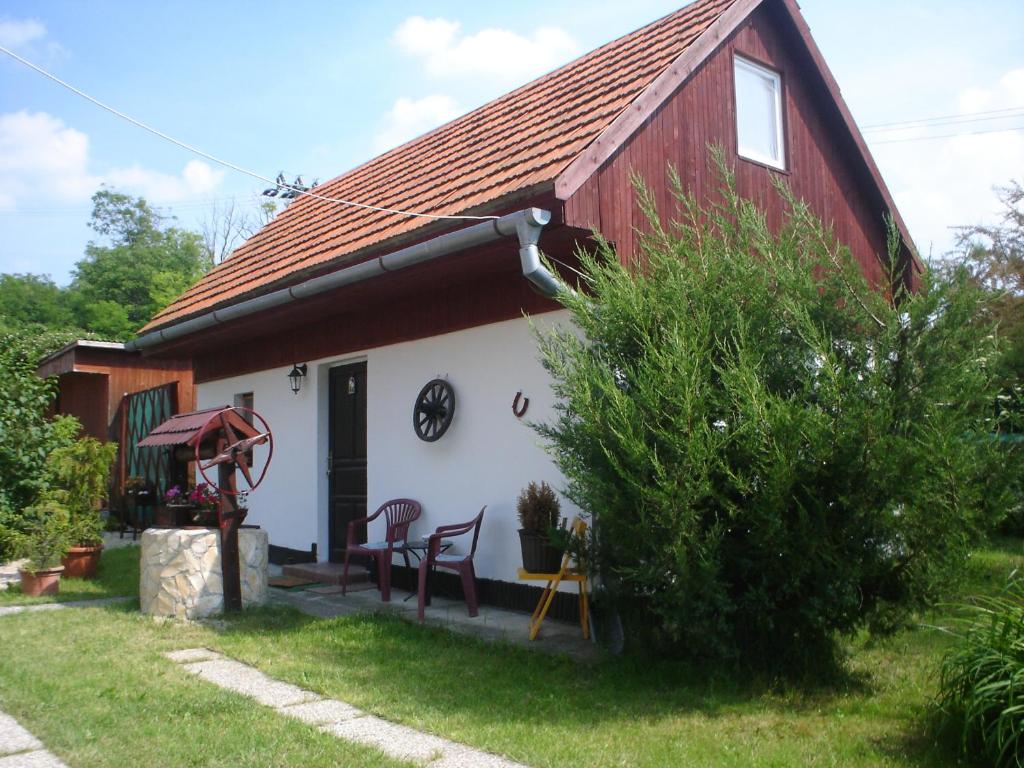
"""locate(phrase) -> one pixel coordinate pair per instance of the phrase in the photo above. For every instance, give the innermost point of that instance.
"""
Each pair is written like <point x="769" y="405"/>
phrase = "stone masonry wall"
<point x="180" y="573"/>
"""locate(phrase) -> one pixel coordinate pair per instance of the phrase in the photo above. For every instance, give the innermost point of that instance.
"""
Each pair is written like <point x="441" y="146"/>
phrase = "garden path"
<point x="98" y="603"/>
<point x="332" y="716"/>
<point x="20" y="749"/>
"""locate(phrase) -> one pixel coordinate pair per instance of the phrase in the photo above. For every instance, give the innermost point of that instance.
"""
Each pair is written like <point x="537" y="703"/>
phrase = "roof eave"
<point x="341" y="261"/>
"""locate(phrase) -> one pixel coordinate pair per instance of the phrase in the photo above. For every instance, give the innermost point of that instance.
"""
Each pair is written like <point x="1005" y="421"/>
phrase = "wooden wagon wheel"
<point x="235" y="450"/>
<point x="434" y="410"/>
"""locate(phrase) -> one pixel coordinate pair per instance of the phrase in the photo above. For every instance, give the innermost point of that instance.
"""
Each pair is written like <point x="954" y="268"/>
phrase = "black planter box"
<point x="538" y="554"/>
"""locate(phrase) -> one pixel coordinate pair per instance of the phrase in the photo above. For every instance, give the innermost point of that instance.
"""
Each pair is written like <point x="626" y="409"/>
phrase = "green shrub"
<point x="773" y="451"/>
<point x="982" y="683"/>
<point x="538" y="508"/>
<point x="77" y="476"/>
<point x="44" y="537"/>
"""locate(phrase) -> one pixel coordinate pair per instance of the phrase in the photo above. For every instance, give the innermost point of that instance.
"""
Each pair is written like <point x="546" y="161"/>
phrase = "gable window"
<point x="759" y="114"/>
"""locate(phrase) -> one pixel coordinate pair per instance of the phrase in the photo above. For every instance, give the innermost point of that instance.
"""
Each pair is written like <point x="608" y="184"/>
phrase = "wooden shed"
<point x="94" y="376"/>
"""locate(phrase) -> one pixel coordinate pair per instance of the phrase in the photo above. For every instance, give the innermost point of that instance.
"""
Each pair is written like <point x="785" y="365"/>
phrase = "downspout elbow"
<point x="528" y="226"/>
<point x="539" y="275"/>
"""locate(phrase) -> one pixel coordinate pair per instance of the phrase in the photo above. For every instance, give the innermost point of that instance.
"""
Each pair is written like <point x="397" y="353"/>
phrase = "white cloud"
<point x="498" y="53"/>
<point x="16" y="33"/>
<point x="28" y="37"/>
<point x="43" y="160"/>
<point x="409" y="118"/>
<point x="196" y="180"/>
<point x="948" y="182"/>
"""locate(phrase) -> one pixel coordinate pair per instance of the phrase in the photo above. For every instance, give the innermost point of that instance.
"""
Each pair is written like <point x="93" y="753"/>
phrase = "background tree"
<point x="224" y="229"/>
<point x="144" y="264"/>
<point x="775" y="454"/>
<point x="994" y="254"/>
<point x="33" y="299"/>
<point x="227" y="226"/>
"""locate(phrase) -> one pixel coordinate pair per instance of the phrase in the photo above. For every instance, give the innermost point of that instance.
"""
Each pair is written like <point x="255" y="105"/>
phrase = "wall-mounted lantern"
<point x="295" y="377"/>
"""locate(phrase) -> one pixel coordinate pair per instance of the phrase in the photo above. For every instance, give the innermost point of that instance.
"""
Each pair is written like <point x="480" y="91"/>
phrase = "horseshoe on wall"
<point x="517" y="409"/>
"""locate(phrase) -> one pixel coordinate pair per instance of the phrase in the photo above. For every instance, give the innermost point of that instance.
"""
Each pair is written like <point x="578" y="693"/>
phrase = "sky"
<point x="316" y="88"/>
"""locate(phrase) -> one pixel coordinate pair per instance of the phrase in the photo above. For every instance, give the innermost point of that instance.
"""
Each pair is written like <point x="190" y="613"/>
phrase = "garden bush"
<point x="774" y="451"/>
<point x="77" y="477"/>
<point x="982" y="684"/>
<point x="27" y="434"/>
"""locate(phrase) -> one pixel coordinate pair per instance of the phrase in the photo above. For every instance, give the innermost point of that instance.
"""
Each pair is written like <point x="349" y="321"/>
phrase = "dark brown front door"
<point x="347" y="446"/>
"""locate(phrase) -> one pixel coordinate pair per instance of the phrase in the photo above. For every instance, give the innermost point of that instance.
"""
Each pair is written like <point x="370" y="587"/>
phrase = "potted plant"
<point x="538" y="509"/>
<point x="78" y="475"/>
<point x="206" y="501"/>
<point x="195" y="505"/>
<point x="43" y="541"/>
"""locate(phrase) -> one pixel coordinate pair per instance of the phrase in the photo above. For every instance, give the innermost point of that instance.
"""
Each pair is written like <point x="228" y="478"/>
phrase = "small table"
<point x="418" y="549"/>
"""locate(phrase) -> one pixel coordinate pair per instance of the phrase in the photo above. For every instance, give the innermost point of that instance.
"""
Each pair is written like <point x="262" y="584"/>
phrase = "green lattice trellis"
<point x="139" y="413"/>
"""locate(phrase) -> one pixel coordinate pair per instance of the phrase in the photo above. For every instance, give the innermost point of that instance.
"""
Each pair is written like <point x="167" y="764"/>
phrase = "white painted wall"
<point x="486" y="457"/>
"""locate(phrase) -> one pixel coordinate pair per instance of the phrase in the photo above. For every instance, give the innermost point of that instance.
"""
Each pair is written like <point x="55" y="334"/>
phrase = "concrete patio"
<point x="492" y="624"/>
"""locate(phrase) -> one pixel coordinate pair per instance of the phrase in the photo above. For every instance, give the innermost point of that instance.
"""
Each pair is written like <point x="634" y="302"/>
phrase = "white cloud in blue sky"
<point x="16" y="33"/>
<point x="498" y="53"/>
<point x="409" y="118"/>
<point x="42" y="159"/>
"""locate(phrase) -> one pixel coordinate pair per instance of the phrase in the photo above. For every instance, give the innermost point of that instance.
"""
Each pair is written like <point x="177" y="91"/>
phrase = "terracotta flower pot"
<point x="45" y="582"/>
<point x="538" y="554"/>
<point x="81" y="562"/>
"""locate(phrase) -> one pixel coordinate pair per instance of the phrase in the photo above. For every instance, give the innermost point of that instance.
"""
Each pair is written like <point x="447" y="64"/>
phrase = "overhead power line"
<point x="219" y="161"/>
<point x="992" y="114"/>
<point x="947" y="135"/>
<point x="919" y="126"/>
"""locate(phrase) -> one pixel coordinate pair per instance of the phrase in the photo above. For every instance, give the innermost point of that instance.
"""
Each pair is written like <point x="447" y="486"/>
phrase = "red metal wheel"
<point x="236" y="449"/>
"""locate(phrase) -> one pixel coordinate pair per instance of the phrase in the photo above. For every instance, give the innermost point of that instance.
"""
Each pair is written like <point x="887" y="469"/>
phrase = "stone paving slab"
<point x="337" y="717"/>
<point x="97" y="603"/>
<point x="190" y="655"/>
<point x="459" y="756"/>
<point x="243" y="679"/>
<point x="321" y="712"/>
<point x="394" y="740"/>
<point x="38" y="759"/>
<point x="14" y="738"/>
<point x="20" y="749"/>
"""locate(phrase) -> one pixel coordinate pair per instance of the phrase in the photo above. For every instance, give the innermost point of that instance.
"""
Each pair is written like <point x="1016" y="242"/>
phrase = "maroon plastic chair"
<point x="463" y="564"/>
<point x="399" y="513"/>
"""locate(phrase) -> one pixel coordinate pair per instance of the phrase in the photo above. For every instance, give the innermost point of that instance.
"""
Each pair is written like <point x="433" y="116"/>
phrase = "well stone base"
<point x="180" y="572"/>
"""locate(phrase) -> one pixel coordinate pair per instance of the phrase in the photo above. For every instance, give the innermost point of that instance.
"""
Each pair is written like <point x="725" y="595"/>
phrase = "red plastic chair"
<point x="399" y="513"/>
<point x="463" y="564"/>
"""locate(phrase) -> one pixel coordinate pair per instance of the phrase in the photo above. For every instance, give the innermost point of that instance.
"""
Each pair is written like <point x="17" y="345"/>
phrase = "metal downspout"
<point x="526" y="225"/>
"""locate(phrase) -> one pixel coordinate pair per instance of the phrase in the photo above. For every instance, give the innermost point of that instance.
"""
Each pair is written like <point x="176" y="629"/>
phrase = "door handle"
<point x="330" y="463"/>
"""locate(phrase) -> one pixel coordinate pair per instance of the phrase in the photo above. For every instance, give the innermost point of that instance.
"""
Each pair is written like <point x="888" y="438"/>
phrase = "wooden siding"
<point x="84" y="396"/>
<point x="478" y="287"/>
<point x="823" y="163"/>
<point x="81" y="369"/>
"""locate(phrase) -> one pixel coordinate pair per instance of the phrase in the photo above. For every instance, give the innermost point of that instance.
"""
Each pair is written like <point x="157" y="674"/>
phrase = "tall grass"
<point x="981" y="696"/>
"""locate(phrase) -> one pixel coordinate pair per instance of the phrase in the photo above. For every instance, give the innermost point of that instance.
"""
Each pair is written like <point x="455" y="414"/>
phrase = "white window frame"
<point x="776" y="77"/>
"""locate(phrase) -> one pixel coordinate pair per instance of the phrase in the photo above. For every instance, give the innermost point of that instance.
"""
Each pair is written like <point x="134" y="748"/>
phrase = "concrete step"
<point x="326" y="573"/>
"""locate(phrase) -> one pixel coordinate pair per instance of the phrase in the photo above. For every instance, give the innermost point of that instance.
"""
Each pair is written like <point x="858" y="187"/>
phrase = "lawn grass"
<point x="117" y="576"/>
<point x="541" y="710"/>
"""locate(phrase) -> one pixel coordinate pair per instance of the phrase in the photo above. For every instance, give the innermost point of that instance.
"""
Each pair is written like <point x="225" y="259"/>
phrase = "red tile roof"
<point x="515" y="143"/>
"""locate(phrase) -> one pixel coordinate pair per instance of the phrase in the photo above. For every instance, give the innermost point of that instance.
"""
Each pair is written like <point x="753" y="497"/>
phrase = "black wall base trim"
<point x="285" y="556"/>
<point x="501" y="594"/>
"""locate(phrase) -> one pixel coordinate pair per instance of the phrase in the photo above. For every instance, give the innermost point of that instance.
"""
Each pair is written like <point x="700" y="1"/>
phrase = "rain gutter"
<point x="525" y="225"/>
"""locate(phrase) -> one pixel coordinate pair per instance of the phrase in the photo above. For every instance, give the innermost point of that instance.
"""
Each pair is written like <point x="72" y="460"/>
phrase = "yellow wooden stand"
<point x="565" y="573"/>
